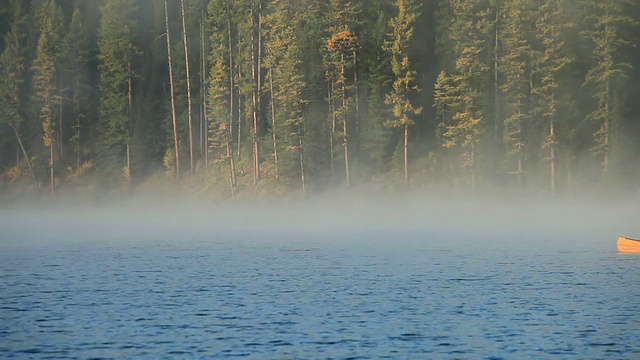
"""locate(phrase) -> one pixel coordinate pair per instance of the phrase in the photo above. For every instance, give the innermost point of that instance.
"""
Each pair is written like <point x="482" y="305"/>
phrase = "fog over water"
<point x="426" y="276"/>
<point x="441" y="219"/>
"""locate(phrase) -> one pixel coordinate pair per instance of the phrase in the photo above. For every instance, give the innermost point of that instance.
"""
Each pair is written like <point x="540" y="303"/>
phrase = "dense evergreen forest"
<point x="233" y="97"/>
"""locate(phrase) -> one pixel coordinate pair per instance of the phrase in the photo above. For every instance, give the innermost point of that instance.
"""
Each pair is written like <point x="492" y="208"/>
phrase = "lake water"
<point x="346" y="293"/>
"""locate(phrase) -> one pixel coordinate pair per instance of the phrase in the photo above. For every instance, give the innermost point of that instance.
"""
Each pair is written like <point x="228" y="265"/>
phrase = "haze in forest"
<point x="217" y="100"/>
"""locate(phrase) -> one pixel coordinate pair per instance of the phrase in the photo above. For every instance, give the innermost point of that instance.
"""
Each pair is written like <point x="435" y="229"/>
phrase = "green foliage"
<point x="11" y="79"/>
<point x="116" y="54"/>
<point x="504" y="88"/>
<point x="461" y="89"/>
<point x="607" y="72"/>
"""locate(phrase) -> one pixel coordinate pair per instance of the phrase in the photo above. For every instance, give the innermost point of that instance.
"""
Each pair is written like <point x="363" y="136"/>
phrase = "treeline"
<point x="299" y="95"/>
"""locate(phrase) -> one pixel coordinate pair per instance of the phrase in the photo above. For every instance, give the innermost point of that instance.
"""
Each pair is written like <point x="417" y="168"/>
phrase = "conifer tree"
<point x="12" y="73"/>
<point x="75" y="56"/>
<point x="188" y="81"/>
<point x="402" y="28"/>
<point x="116" y="55"/>
<point x="463" y="84"/>
<point x="341" y="47"/>
<point x="45" y="80"/>
<point x="176" y="143"/>
<point x="605" y="18"/>
<point x="220" y="98"/>
<point x="286" y="87"/>
<point x="516" y="67"/>
<point x="551" y="60"/>
<point x="375" y="134"/>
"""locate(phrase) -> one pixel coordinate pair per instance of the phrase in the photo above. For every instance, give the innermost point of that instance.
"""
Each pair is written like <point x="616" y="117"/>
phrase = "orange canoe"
<point x="627" y="245"/>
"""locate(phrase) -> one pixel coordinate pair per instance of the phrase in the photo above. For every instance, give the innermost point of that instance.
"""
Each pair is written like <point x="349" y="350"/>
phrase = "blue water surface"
<point x="318" y="295"/>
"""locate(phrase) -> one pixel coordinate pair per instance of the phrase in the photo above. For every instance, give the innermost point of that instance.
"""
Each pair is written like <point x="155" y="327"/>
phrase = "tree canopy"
<point x="296" y="96"/>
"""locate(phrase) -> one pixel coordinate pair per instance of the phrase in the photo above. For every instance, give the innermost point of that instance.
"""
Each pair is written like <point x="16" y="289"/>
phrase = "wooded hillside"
<point x="299" y="96"/>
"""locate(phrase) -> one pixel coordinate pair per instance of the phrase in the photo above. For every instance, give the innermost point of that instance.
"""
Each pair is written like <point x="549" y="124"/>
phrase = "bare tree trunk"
<point x="188" y="76"/>
<point x="51" y="164"/>
<point x="203" y="81"/>
<point x="301" y="152"/>
<point x="496" y="92"/>
<point x="254" y="99"/>
<point x="406" y="155"/>
<point x="332" y="130"/>
<point x="258" y="108"/>
<point x="552" y="155"/>
<point x="520" y="151"/>
<point x="24" y="153"/>
<point x="345" y="142"/>
<point x="273" y="124"/>
<point x="60" y="126"/>
<point x="240" y="113"/>
<point x="473" y="164"/>
<point x="232" y="168"/>
<point x="607" y="132"/>
<point x="173" y="101"/>
<point x="232" y="164"/>
<point x="231" y="77"/>
<point x="357" y="101"/>
<point x="130" y="114"/>
<point x="76" y="96"/>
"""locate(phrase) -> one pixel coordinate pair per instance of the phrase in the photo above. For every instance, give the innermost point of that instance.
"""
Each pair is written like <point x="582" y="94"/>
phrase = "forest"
<point x="242" y="98"/>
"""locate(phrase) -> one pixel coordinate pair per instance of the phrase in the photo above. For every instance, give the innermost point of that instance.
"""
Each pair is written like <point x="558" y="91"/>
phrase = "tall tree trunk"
<point x="254" y="98"/>
<point x="473" y="165"/>
<point x="332" y="129"/>
<point x="552" y="156"/>
<point x="24" y="153"/>
<point x="203" y="94"/>
<point x="188" y="76"/>
<point x="496" y="88"/>
<point x="406" y="155"/>
<point x="344" y="119"/>
<point x="520" y="149"/>
<point x="301" y="152"/>
<point x="76" y="98"/>
<point x="60" y="126"/>
<point x="606" y="128"/>
<point x="130" y="115"/>
<point x="171" y="86"/>
<point x="51" y="165"/>
<point x="356" y="130"/>
<point x="232" y="164"/>
<point x="231" y="78"/>
<point x="232" y="168"/>
<point x="240" y="114"/>
<point x="273" y="124"/>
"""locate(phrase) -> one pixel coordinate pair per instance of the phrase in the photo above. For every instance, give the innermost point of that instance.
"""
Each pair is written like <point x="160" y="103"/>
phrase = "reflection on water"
<point x="389" y="298"/>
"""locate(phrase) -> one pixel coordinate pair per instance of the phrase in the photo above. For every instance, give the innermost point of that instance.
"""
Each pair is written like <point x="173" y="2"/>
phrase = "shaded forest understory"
<point x="227" y="99"/>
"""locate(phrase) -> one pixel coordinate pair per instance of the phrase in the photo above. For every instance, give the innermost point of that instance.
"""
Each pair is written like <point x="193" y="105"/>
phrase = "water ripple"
<point x="224" y="300"/>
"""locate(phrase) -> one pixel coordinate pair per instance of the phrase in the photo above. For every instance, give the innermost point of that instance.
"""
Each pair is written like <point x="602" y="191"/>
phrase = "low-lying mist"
<point x="423" y="220"/>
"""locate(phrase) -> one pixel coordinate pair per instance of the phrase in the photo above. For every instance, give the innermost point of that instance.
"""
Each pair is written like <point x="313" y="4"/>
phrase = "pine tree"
<point x="402" y="28"/>
<point x="76" y="54"/>
<point x="340" y="57"/>
<point x="286" y="88"/>
<point x="116" y="55"/>
<point x="188" y="81"/>
<point x="220" y="98"/>
<point x="12" y="73"/>
<point x="375" y="134"/>
<point x="607" y="72"/>
<point x="45" y="80"/>
<point x="551" y="60"/>
<point x="176" y="143"/>
<point x="463" y="84"/>
<point x="516" y="67"/>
